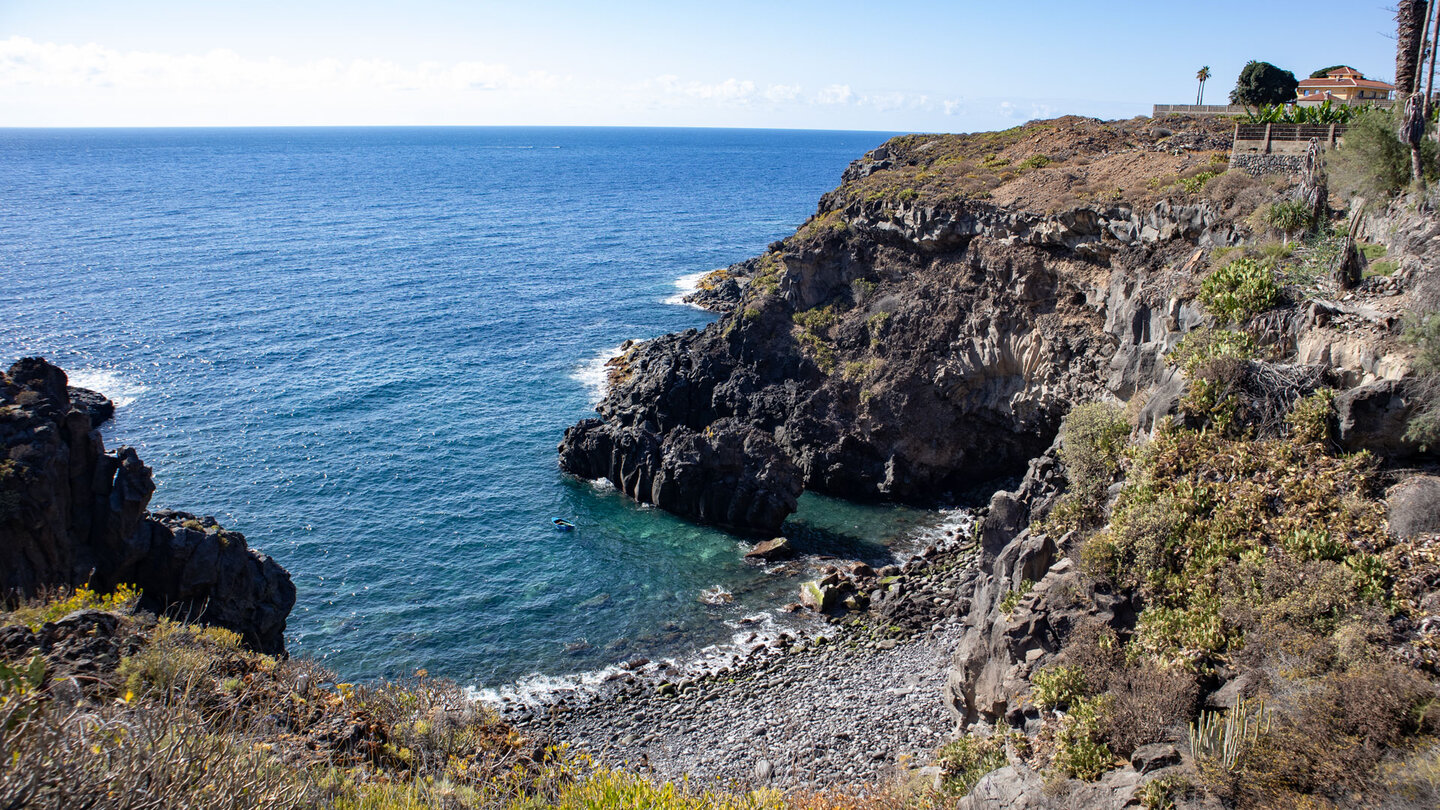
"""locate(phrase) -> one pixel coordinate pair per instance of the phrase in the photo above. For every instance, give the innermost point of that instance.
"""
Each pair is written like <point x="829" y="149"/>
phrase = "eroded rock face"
<point x="72" y="514"/>
<point x="96" y="405"/>
<point x="1001" y="649"/>
<point x="729" y="474"/>
<point x="908" y="356"/>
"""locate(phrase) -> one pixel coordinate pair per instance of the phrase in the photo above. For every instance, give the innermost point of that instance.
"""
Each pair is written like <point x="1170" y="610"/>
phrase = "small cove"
<point x="360" y="347"/>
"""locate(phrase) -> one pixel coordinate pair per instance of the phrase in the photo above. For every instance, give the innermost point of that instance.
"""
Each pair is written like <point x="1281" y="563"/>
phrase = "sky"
<point x="954" y="66"/>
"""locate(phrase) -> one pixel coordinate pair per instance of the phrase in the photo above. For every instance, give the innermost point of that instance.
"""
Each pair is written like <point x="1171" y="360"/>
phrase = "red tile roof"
<point x="1321" y="84"/>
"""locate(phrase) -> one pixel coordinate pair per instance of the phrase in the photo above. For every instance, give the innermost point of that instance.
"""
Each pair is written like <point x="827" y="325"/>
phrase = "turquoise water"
<point x="361" y="346"/>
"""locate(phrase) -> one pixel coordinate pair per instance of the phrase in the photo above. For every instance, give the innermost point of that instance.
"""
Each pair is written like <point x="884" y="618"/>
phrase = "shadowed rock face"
<point x="906" y="356"/>
<point x="730" y="475"/>
<point x="72" y="514"/>
<point x="96" y="405"/>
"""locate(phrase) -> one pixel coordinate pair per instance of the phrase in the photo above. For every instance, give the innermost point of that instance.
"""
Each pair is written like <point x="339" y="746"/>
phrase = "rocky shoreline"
<point x="848" y="701"/>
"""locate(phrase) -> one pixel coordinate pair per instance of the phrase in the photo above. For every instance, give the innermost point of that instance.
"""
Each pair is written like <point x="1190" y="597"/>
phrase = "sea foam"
<point x="686" y="285"/>
<point x="121" y="389"/>
<point x="595" y="375"/>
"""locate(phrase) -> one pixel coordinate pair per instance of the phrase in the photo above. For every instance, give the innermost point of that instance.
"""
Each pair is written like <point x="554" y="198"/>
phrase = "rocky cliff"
<point x="73" y="514"/>
<point x="908" y="344"/>
<point x="933" y="327"/>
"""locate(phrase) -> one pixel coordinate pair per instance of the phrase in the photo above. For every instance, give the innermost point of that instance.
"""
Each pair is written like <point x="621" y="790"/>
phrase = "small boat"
<point x="561" y="524"/>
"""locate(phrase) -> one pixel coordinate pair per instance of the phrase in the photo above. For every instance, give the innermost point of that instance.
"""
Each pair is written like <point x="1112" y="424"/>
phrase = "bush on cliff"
<point x="1423" y="332"/>
<point x="1268" y="557"/>
<point x="1372" y="162"/>
<point x="167" y="714"/>
<point x="1205" y="522"/>
<point x="1091" y="439"/>
<point x="138" y="706"/>
<point x="1240" y="290"/>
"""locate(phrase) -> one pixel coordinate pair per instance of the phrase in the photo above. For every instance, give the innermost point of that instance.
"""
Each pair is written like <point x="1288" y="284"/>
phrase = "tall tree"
<point x="1262" y="83"/>
<point x="1411" y="17"/>
<point x="1202" y="76"/>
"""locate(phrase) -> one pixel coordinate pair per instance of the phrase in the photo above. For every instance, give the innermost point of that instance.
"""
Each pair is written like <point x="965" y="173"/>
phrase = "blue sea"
<point x="360" y="347"/>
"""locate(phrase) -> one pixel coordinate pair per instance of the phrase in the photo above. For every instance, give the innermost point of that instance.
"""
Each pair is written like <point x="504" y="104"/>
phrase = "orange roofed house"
<point x="1343" y="85"/>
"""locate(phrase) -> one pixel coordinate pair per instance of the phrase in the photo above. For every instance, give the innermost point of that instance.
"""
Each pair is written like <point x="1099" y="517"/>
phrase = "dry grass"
<point x="186" y="717"/>
<point x="1047" y="165"/>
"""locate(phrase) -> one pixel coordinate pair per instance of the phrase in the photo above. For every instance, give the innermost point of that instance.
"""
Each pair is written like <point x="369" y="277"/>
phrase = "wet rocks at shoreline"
<point x="842" y="700"/>
<point x="729" y="474"/>
<point x="94" y="404"/>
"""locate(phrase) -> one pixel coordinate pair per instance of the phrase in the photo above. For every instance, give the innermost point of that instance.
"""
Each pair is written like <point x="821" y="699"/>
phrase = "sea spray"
<point x="687" y="285"/>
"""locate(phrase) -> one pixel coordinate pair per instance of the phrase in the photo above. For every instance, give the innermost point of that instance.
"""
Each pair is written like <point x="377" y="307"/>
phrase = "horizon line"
<point x="12" y="127"/>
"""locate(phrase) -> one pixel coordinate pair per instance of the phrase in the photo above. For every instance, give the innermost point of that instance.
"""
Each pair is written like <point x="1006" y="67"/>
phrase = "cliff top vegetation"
<point x="1045" y="165"/>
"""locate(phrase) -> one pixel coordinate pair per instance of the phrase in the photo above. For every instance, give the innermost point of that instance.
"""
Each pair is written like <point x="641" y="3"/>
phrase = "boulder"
<point x="1014" y="787"/>
<point x="1374" y="417"/>
<point x="1154" y="756"/>
<point x="819" y="597"/>
<point x="778" y="548"/>
<point x="1414" y="506"/>
<point x="93" y="403"/>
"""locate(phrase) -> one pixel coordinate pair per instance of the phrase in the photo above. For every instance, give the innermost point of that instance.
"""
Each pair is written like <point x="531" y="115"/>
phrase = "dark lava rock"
<point x="73" y="514"/>
<point x="1374" y="417"/>
<point x="730" y="475"/>
<point x="95" y="405"/>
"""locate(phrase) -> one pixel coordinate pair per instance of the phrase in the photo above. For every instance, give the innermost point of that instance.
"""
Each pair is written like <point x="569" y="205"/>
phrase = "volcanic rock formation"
<point x="72" y="514"/>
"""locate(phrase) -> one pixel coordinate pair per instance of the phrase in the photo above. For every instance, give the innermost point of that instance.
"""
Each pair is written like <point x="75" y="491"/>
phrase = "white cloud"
<point x="59" y="84"/>
<point x="780" y="93"/>
<point x="731" y="90"/>
<point x="835" y="94"/>
<point x="24" y="62"/>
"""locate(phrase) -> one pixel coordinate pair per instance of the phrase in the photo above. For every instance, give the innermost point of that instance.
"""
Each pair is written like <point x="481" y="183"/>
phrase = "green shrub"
<point x="1311" y="418"/>
<point x="1013" y="597"/>
<point x="64" y="602"/>
<point x="1194" y="183"/>
<point x="1091" y="440"/>
<point x="963" y="762"/>
<point x="1057" y="687"/>
<point x="1423" y="332"/>
<point x="817" y="319"/>
<point x="1079" y="749"/>
<point x="1289" y="217"/>
<point x="822" y="352"/>
<point x="1201" y="530"/>
<point x="1372" y="162"/>
<point x="1202" y="345"/>
<point x="1383" y="267"/>
<point x="1035" y="162"/>
<point x="1240" y="290"/>
<point x="1159" y="794"/>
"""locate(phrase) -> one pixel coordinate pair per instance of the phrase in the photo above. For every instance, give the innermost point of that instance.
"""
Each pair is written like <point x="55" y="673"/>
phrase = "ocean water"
<point x="361" y="346"/>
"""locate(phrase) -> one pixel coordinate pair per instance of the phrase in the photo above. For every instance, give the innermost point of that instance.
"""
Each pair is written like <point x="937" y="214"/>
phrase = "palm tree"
<point x="1202" y="75"/>
<point x="1410" y="19"/>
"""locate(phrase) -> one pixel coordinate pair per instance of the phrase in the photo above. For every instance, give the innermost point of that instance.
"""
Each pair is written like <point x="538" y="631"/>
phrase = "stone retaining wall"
<point x="1258" y="164"/>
